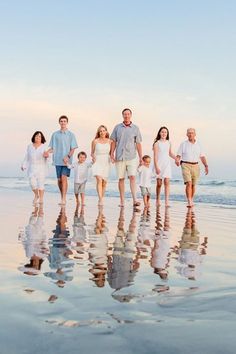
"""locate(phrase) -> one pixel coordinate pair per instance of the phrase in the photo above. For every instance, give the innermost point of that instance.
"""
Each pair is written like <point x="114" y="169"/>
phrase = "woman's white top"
<point x="34" y="161"/>
<point x="163" y="159"/>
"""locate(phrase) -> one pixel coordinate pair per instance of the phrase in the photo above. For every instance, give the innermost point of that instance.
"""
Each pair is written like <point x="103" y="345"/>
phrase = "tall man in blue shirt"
<point x="126" y="142"/>
<point x="63" y="145"/>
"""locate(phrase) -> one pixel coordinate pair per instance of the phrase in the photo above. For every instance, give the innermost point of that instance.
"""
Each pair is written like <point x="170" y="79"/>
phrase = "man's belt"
<point x="191" y="163"/>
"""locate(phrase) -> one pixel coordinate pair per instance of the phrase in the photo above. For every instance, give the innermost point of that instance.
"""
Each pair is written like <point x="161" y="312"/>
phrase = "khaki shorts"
<point x="129" y="167"/>
<point x="190" y="172"/>
<point x="79" y="188"/>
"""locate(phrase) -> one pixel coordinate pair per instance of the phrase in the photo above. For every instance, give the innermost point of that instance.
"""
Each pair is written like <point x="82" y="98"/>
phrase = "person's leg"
<point x="132" y="181"/>
<point x="158" y="191"/>
<point x="77" y="199"/>
<point x="167" y="191"/>
<point x="41" y="194"/>
<point x="189" y="193"/>
<point x="121" y="185"/>
<point x="82" y="196"/>
<point x="99" y="189"/>
<point x="193" y="191"/>
<point x="36" y="195"/>
<point x="104" y="184"/>
<point x="64" y="187"/>
<point x="145" y="202"/>
<point x="148" y="200"/>
<point x="33" y="183"/>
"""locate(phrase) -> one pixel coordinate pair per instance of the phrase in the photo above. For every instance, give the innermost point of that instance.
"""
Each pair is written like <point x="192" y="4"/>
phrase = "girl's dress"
<point x="163" y="160"/>
<point x="101" y="167"/>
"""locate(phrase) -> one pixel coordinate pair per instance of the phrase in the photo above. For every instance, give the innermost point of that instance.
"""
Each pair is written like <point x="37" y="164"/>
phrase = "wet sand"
<point x="107" y="280"/>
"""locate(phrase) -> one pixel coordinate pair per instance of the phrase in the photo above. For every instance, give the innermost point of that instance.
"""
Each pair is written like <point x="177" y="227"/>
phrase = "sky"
<point x="171" y="62"/>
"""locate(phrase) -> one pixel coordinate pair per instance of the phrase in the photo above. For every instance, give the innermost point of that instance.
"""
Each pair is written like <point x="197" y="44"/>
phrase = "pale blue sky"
<point x="172" y="62"/>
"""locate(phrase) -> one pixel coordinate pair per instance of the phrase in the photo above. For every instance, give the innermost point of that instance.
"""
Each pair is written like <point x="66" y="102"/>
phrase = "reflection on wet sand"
<point x="98" y="249"/>
<point x="80" y="236"/>
<point x="34" y="241"/>
<point x="190" y="253"/>
<point x="60" y="251"/>
<point x="160" y="256"/>
<point x="124" y="262"/>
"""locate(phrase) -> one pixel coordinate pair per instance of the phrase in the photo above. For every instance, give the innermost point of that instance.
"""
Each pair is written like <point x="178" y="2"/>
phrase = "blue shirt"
<point x="126" y="138"/>
<point x="62" y="142"/>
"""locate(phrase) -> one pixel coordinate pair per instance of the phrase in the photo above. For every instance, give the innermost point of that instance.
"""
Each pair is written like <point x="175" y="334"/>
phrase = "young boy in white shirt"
<point x="145" y="179"/>
<point x="81" y="169"/>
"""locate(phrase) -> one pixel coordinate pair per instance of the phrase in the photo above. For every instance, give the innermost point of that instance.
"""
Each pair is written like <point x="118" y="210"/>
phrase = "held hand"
<point x="158" y="171"/>
<point x="177" y="162"/>
<point x="45" y="154"/>
<point x="112" y="159"/>
<point x="140" y="162"/>
<point x="66" y="160"/>
<point x="206" y="170"/>
<point x="22" y="168"/>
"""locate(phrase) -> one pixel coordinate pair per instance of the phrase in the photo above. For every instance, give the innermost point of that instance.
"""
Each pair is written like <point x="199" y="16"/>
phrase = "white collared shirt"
<point x="190" y="152"/>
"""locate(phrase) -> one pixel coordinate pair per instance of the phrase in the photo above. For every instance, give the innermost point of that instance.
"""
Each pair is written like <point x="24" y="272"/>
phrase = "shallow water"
<point x="108" y="280"/>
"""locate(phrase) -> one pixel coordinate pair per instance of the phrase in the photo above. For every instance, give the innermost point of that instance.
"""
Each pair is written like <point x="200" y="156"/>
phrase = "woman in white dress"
<point x="100" y="153"/>
<point x="36" y="165"/>
<point x="162" y="153"/>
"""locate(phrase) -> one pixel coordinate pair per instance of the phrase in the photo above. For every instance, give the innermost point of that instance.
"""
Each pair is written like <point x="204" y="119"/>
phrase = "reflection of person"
<point x="63" y="145"/>
<point x="190" y="256"/>
<point x="161" y="251"/>
<point x="36" y="164"/>
<point x="126" y="140"/>
<point x="80" y="237"/>
<point x="60" y="251"/>
<point x="145" y="180"/>
<point x="100" y="152"/>
<point x="162" y="153"/>
<point x="124" y="262"/>
<point x="81" y="169"/>
<point x="35" y="243"/>
<point x="98" y="249"/>
<point x="188" y="156"/>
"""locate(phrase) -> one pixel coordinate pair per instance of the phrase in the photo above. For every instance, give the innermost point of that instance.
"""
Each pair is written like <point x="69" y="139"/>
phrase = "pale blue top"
<point x="62" y="142"/>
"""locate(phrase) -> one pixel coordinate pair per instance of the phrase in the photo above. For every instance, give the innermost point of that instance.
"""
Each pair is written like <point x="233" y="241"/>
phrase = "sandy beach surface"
<point x="106" y="280"/>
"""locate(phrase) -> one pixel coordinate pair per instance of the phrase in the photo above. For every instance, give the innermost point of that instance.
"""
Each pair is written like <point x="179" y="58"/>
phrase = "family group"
<point x="119" y="148"/>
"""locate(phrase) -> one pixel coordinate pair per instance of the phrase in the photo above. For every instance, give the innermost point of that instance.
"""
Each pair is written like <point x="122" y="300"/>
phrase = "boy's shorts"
<point x="62" y="171"/>
<point x="79" y="188"/>
<point x="145" y="191"/>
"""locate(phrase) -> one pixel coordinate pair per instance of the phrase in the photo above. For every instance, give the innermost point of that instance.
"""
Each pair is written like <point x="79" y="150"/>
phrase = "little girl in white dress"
<point x="100" y="153"/>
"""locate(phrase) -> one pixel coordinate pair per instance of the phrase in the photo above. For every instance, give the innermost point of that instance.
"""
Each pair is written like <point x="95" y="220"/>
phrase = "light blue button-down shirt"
<point x="62" y="142"/>
<point x="126" y="138"/>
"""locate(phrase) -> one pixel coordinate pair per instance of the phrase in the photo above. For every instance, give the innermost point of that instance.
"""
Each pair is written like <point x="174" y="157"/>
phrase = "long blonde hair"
<point x="98" y="132"/>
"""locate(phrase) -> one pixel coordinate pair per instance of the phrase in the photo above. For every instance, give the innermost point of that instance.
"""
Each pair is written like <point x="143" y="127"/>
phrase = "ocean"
<point x="210" y="191"/>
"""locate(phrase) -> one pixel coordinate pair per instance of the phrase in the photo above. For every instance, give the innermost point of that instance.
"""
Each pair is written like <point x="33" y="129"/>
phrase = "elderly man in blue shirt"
<point x="126" y="141"/>
<point x="63" y="145"/>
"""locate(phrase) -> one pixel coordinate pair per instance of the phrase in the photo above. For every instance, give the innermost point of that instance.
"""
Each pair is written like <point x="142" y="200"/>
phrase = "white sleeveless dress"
<point x="101" y="167"/>
<point x="163" y="160"/>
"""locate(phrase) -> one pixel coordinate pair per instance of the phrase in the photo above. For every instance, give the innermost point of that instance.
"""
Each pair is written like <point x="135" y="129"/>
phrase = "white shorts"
<point x="37" y="181"/>
<point x="129" y="167"/>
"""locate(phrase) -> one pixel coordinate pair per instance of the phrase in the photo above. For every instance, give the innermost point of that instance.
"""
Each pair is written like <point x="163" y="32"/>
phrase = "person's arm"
<point x="50" y="148"/>
<point x="155" y="157"/>
<point x="67" y="158"/>
<point x="25" y="162"/>
<point x="171" y="154"/>
<point x="138" y="141"/>
<point x="178" y="156"/>
<point x="139" y="149"/>
<point x="93" y="150"/>
<point x="204" y="161"/>
<point x="113" y="147"/>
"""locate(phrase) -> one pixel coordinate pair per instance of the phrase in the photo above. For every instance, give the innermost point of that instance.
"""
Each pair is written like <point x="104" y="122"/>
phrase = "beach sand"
<point x="107" y="280"/>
